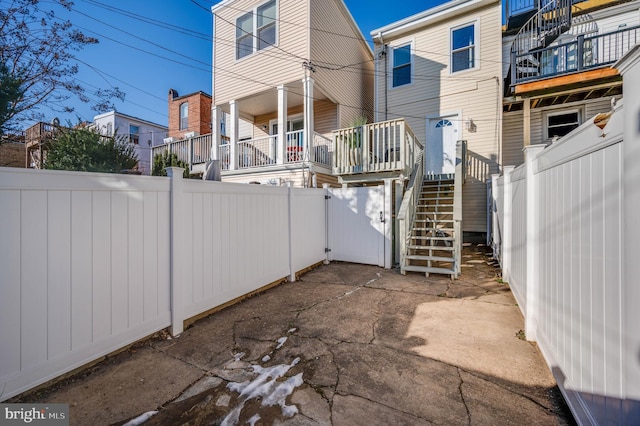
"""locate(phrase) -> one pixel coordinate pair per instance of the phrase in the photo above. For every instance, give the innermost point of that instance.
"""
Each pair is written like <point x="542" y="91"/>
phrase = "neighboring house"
<point x="295" y="70"/>
<point x="440" y="71"/>
<point x="189" y="115"/>
<point x="141" y="133"/>
<point x="556" y="63"/>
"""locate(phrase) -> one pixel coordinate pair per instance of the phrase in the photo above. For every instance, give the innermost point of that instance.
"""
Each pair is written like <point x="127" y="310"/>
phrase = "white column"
<point x="233" y="134"/>
<point x="507" y="224"/>
<point x="533" y="242"/>
<point x="309" y="128"/>
<point x="282" y="125"/>
<point x="216" y="140"/>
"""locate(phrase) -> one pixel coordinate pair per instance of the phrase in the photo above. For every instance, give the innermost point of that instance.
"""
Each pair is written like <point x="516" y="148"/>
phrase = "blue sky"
<point x="149" y="46"/>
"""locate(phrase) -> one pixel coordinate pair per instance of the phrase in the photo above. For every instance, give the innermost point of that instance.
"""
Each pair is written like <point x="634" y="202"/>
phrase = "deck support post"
<point x="281" y="143"/>
<point x="233" y="134"/>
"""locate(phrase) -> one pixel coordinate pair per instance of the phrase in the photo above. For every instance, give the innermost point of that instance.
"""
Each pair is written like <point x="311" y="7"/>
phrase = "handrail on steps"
<point x="406" y="214"/>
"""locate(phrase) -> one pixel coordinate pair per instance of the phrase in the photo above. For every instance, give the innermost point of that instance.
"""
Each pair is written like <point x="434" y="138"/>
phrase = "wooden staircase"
<point x="431" y="247"/>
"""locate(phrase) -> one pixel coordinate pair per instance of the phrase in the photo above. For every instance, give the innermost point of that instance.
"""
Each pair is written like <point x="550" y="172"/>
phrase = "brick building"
<point x="189" y="113"/>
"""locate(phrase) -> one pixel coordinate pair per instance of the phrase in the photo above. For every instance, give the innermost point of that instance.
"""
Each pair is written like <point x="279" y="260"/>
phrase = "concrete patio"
<point x="345" y="345"/>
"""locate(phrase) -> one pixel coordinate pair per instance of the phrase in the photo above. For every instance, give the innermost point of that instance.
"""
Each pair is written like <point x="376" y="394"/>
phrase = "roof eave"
<point x="428" y="17"/>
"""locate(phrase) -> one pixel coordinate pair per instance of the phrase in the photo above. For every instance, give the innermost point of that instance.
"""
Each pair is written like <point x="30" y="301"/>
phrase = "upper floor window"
<point x="463" y="48"/>
<point x="184" y="115"/>
<point x="109" y="129"/>
<point x="401" y="65"/>
<point x="256" y="30"/>
<point x="134" y="134"/>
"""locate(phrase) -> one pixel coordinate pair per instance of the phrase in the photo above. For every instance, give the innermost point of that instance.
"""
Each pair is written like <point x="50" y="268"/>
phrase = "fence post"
<point x="533" y="242"/>
<point x="292" y="272"/>
<point x="629" y="67"/>
<point x="327" y="197"/>
<point x="507" y="224"/>
<point x="495" y="244"/>
<point x="175" y="252"/>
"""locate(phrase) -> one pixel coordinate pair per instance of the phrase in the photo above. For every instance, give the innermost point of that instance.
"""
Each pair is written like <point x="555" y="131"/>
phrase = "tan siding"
<point x="344" y="67"/>
<point x="325" y="118"/>
<point x="266" y="68"/>
<point x="512" y="138"/>
<point x="474" y="94"/>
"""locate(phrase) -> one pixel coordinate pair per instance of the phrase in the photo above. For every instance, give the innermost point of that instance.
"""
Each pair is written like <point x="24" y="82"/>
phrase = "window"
<point x="109" y="129"/>
<point x="561" y="123"/>
<point x="134" y="132"/>
<point x="401" y="65"/>
<point x="463" y="48"/>
<point x="256" y="30"/>
<point x="184" y="115"/>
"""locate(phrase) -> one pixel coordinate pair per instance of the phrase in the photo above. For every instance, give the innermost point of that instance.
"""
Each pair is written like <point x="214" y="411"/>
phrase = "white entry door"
<point x="358" y="225"/>
<point x="440" y="155"/>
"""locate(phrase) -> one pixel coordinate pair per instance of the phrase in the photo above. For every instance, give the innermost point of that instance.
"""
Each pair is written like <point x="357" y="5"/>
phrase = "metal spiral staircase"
<point x="551" y="20"/>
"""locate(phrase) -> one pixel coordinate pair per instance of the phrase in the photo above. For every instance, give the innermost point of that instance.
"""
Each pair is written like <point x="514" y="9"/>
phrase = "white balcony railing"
<point x="377" y="147"/>
<point x="256" y="152"/>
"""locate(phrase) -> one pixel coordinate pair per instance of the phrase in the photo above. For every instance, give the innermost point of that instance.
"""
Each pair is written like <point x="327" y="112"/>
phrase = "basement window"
<point x="559" y="124"/>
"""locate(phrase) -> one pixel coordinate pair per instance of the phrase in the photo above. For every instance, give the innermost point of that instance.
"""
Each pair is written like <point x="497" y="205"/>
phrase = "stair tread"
<point x="435" y="248"/>
<point x="433" y="258"/>
<point x="416" y="268"/>
<point x="439" y="220"/>
<point x="432" y="238"/>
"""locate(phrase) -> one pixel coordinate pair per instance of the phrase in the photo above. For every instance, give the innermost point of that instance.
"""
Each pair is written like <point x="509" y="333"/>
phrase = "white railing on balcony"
<point x="294" y="147"/>
<point x="322" y="150"/>
<point x="257" y="152"/>
<point x="196" y="150"/>
<point x="224" y="154"/>
<point x="377" y="147"/>
<point x="406" y="214"/>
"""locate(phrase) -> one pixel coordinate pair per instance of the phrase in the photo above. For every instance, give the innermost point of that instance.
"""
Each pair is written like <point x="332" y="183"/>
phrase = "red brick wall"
<point x="199" y="114"/>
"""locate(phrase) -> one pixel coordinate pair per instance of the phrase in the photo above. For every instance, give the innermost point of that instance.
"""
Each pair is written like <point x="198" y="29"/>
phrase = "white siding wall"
<point x="475" y="94"/>
<point x="345" y="71"/>
<point x="267" y="68"/>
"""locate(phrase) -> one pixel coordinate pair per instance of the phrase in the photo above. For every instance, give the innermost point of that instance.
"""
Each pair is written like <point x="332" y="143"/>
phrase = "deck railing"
<point x="406" y="214"/>
<point x="257" y="152"/>
<point x="581" y="54"/>
<point x="377" y="147"/>
<point x="196" y="150"/>
<point x="322" y="150"/>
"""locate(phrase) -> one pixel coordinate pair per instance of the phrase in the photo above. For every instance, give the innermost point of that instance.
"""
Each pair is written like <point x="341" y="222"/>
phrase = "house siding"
<point x="513" y="126"/>
<point x="474" y="94"/>
<point x="344" y="63"/>
<point x="267" y="68"/>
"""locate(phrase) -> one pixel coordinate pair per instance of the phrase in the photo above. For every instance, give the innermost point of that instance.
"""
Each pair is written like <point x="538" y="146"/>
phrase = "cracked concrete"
<point x="375" y="347"/>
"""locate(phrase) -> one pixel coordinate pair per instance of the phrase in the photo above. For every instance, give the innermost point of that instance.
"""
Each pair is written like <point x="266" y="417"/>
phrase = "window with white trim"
<point x="558" y="124"/>
<point x="256" y="30"/>
<point x="184" y="115"/>
<point x="134" y="134"/>
<point x="401" y="67"/>
<point x="463" y="48"/>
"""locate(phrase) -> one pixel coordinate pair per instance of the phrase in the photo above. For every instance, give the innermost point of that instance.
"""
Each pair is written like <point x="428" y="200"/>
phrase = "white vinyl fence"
<point x="561" y="237"/>
<point x="90" y="263"/>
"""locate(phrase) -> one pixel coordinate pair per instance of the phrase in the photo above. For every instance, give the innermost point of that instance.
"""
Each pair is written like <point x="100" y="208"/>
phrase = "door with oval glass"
<point x="440" y="155"/>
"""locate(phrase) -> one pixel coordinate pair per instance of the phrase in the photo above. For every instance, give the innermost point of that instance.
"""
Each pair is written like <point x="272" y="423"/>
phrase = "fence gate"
<point x="359" y="225"/>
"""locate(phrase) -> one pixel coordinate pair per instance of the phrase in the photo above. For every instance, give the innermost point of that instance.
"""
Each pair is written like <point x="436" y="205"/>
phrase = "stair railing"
<point x="406" y="214"/>
<point x="551" y="20"/>
<point x="458" y="182"/>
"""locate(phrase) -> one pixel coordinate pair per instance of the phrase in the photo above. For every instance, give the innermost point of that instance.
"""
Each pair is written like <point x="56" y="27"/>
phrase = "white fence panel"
<point x="518" y="234"/>
<point x="74" y="281"/>
<point x="565" y="246"/>
<point x="235" y="241"/>
<point x="308" y="227"/>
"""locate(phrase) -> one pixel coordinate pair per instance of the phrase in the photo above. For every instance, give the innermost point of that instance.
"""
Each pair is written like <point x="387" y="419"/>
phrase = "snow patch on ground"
<point x="267" y="387"/>
<point x="281" y="342"/>
<point x="141" y="418"/>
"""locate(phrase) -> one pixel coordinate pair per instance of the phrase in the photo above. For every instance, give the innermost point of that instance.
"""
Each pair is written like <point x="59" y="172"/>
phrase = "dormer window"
<point x="256" y="30"/>
<point x="184" y="115"/>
